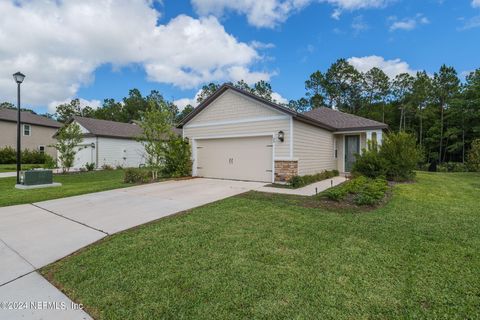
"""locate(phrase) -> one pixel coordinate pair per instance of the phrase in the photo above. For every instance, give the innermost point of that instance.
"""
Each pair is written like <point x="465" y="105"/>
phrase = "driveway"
<point x="32" y="236"/>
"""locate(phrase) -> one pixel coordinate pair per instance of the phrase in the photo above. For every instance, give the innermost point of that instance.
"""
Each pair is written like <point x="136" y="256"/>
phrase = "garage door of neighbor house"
<point x="235" y="158"/>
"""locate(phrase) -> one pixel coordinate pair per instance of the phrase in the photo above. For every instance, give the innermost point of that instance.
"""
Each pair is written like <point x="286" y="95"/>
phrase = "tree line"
<point x="439" y="109"/>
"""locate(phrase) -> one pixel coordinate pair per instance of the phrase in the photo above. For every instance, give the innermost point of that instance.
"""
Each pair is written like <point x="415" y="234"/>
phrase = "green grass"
<point x="258" y="256"/>
<point x="72" y="184"/>
<point x="13" y="167"/>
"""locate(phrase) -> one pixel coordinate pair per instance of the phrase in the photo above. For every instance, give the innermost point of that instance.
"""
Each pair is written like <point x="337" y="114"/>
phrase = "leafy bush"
<point x="8" y="155"/>
<point x="137" y="175"/>
<point x="107" y="167"/>
<point x="364" y="191"/>
<point x="178" y="161"/>
<point x="402" y="156"/>
<point x="50" y="163"/>
<point x="452" y="167"/>
<point x="473" y="161"/>
<point x="301" y="181"/>
<point x="90" y="166"/>
<point x="370" y="163"/>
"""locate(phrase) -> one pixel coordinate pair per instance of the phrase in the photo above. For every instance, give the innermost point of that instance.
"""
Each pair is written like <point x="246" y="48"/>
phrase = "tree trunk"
<point x="421" y="126"/>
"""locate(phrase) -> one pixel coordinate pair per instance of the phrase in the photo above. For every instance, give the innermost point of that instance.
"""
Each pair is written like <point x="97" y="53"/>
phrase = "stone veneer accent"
<point x="285" y="170"/>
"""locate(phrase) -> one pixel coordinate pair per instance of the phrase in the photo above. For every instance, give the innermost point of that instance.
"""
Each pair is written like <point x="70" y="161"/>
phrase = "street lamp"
<point x="18" y="77"/>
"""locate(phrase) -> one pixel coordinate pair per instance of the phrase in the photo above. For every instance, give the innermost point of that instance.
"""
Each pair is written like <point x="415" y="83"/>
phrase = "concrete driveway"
<point x="32" y="236"/>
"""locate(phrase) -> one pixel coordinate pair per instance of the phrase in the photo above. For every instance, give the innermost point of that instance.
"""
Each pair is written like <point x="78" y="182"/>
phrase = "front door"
<point x="352" y="147"/>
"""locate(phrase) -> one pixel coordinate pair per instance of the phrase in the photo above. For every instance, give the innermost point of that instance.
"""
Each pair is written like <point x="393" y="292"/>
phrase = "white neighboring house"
<point x="109" y="143"/>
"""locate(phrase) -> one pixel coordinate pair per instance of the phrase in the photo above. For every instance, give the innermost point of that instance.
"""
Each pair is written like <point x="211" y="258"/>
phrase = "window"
<point x="41" y="149"/>
<point x="27" y="130"/>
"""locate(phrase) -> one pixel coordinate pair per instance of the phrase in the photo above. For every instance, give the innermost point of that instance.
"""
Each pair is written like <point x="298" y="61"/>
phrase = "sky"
<point x="99" y="49"/>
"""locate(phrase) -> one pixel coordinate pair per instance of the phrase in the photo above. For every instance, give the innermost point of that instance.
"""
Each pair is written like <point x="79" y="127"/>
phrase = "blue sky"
<point x="280" y="44"/>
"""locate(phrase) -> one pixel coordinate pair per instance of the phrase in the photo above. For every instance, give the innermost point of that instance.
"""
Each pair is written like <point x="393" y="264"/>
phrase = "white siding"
<point x="232" y="106"/>
<point x="124" y="152"/>
<point x="314" y="148"/>
<point x="233" y="114"/>
<point x="85" y="153"/>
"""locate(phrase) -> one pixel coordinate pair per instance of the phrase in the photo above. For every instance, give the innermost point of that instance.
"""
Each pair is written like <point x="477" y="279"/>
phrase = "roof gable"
<point x="107" y="128"/>
<point x="10" y="115"/>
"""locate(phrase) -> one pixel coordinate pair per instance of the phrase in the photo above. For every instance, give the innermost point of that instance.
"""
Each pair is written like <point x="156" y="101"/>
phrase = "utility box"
<point x="36" y="177"/>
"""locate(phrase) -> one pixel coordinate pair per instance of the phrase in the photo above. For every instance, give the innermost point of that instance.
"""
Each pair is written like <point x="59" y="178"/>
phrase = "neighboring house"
<point x="109" y="143"/>
<point x="237" y="135"/>
<point x="36" y="131"/>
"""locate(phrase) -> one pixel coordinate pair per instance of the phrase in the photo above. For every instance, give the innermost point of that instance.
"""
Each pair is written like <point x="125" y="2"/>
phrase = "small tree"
<point x="178" y="160"/>
<point x="474" y="156"/>
<point x="157" y="127"/>
<point x="402" y="155"/>
<point x="68" y="138"/>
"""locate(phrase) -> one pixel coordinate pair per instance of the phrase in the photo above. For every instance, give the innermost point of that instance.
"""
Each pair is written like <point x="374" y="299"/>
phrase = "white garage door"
<point x="235" y="158"/>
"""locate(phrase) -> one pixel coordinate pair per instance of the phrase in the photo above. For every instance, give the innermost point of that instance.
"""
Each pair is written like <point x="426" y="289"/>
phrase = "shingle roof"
<point x="28" y="118"/>
<point x="325" y="118"/>
<point x="112" y="129"/>
<point x="343" y="121"/>
<point x="107" y="128"/>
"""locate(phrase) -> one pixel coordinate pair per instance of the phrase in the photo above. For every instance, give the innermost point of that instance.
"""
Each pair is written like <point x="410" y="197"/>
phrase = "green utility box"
<point x="37" y="177"/>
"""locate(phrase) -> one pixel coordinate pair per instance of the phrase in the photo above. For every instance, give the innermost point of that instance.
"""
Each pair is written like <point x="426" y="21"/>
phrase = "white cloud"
<point x="95" y="104"/>
<point x="270" y="13"/>
<point x="359" y="24"/>
<point x="390" y="67"/>
<point x="476" y="3"/>
<point x="278" y="98"/>
<point x="471" y="23"/>
<point x="408" y="24"/>
<point x="59" y="45"/>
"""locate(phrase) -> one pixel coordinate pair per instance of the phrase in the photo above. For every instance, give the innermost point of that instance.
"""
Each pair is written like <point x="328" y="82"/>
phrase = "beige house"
<point x="237" y="135"/>
<point x="36" y="131"/>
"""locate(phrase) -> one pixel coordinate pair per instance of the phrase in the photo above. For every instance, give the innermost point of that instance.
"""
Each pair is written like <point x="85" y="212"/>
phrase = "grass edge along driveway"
<point x="255" y="256"/>
<point x="73" y="184"/>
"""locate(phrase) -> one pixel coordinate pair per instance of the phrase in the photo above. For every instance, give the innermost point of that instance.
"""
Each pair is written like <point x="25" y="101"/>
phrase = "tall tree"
<point x="344" y="86"/>
<point x="446" y="86"/>
<point x="422" y="89"/>
<point x="377" y="88"/>
<point x="402" y="88"/>
<point x="207" y="91"/>
<point x="66" y="111"/>
<point x="317" y="91"/>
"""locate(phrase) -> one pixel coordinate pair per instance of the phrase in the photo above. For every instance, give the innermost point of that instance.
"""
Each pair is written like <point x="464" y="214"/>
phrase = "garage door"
<point x="235" y="158"/>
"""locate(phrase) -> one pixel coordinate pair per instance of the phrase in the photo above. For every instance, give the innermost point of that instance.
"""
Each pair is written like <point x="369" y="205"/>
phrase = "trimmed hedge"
<point x="364" y="191"/>
<point x="301" y="181"/>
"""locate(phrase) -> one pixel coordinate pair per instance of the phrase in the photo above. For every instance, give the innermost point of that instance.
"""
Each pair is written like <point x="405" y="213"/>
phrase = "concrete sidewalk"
<point x="32" y="236"/>
<point x="309" y="190"/>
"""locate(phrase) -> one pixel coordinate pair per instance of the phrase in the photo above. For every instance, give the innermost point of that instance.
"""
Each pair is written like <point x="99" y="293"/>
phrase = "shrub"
<point x="301" y="181"/>
<point x="33" y="157"/>
<point x="452" y="167"/>
<point x="402" y="156"/>
<point x="370" y="163"/>
<point x="365" y="191"/>
<point x="50" y="163"/>
<point x="107" y="167"/>
<point x="90" y="166"/>
<point x="137" y="175"/>
<point x="178" y="162"/>
<point x="473" y="157"/>
<point x="8" y="155"/>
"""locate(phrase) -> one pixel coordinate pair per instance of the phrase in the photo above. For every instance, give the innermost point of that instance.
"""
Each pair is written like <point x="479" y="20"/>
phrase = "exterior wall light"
<point x="281" y="136"/>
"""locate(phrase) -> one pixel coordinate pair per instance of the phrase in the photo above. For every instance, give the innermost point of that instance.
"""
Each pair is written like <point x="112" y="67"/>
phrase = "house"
<point x="109" y="143"/>
<point x="237" y="135"/>
<point x="36" y="131"/>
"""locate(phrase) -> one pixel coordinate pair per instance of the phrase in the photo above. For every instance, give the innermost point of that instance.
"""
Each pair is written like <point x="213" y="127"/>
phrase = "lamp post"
<point x="18" y="77"/>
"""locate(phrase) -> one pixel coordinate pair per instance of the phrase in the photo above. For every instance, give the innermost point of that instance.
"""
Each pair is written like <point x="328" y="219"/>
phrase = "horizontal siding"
<point x="282" y="149"/>
<point x="124" y="152"/>
<point x="313" y="147"/>
<point x="232" y="106"/>
<point x="340" y="154"/>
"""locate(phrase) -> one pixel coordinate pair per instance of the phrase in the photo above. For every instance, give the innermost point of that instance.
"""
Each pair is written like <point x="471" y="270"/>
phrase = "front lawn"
<point x="72" y="184"/>
<point x="280" y="257"/>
